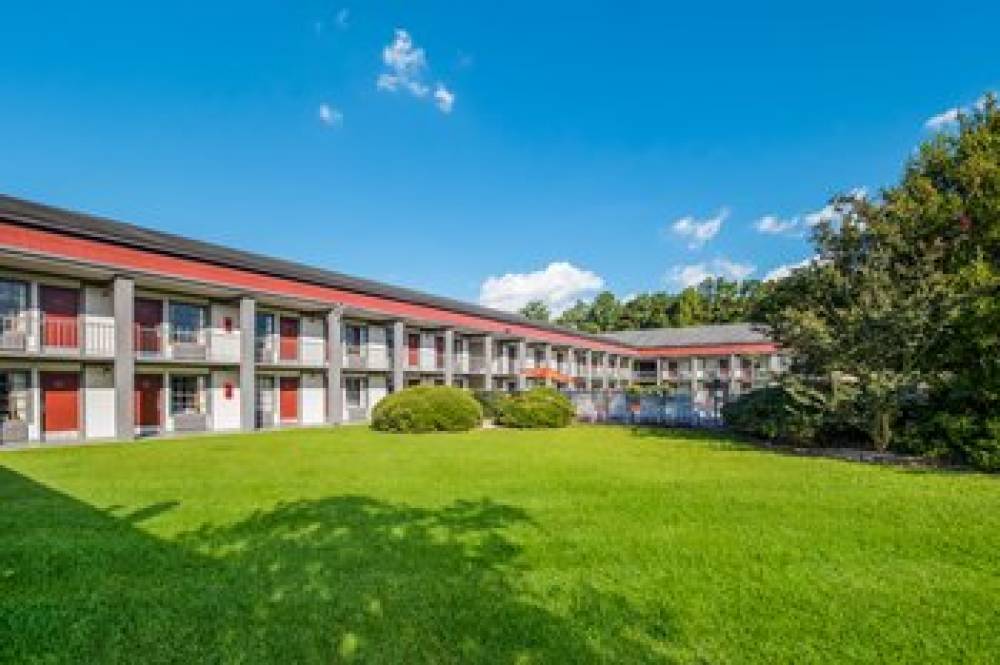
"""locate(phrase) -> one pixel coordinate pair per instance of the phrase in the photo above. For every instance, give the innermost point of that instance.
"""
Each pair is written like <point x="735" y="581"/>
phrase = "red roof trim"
<point x="141" y="261"/>
<point x="708" y="350"/>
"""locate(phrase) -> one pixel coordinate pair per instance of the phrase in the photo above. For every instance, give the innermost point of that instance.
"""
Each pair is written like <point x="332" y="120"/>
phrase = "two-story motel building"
<point x="112" y="331"/>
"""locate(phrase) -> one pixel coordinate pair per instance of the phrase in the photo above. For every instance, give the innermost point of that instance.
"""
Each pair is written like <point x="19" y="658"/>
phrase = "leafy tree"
<point x="536" y="310"/>
<point x="903" y="298"/>
<point x="605" y="312"/>
<point x="717" y="300"/>
<point x="575" y="316"/>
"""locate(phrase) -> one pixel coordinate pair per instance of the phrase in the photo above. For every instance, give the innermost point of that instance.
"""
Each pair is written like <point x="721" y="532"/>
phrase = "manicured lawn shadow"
<point x="341" y="579"/>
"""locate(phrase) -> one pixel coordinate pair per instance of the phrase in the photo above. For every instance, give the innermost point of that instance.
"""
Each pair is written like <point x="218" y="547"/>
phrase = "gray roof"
<point x="120" y="233"/>
<point x="731" y="333"/>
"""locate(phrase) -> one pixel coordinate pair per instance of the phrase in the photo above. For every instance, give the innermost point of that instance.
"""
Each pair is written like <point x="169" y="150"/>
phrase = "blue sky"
<point x="555" y="147"/>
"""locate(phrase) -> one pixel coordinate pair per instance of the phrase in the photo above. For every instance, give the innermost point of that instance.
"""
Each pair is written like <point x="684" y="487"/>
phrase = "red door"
<point x="289" y="347"/>
<point x="148" y="319"/>
<point x="289" y="402"/>
<point x="59" y="316"/>
<point x="413" y="350"/>
<point x="148" y="388"/>
<point x="60" y="401"/>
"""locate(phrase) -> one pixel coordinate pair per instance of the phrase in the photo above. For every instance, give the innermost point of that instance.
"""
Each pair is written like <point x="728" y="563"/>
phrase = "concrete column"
<point x="123" y="301"/>
<point x="522" y="363"/>
<point x="449" y="357"/>
<point x="398" y="358"/>
<point x="248" y="364"/>
<point x="694" y="379"/>
<point x="488" y="359"/>
<point x="588" y="359"/>
<point x="35" y="406"/>
<point x="35" y="320"/>
<point x="733" y="381"/>
<point x="659" y="371"/>
<point x="334" y="368"/>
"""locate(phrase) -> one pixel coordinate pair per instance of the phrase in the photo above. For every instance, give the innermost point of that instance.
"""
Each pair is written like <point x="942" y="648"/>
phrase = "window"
<point x="13" y="298"/>
<point x="13" y="395"/>
<point x="354" y="338"/>
<point x="355" y="390"/>
<point x="264" y="325"/>
<point x="184" y="395"/>
<point x="186" y="322"/>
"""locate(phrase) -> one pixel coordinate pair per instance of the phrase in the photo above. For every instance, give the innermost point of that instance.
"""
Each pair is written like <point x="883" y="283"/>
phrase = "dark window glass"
<point x="184" y="397"/>
<point x="13" y="298"/>
<point x="186" y="322"/>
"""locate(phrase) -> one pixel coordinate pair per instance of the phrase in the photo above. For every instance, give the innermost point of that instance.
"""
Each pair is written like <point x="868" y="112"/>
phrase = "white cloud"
<point x="695" y="273"/>
<point x="405" y="68"/>
<point x="559" y="285"/>
<point x="949" y="117"/>
<point x="698" y="232"/>
<point x="330" y="116"/>
<point x="943" y="119"/>
<point x="444" y="98"/>
<point x="827" y="213"/>
<point x="343" y="18"/>
<point x="774" y="225"/>
<point x="785" y="270"/>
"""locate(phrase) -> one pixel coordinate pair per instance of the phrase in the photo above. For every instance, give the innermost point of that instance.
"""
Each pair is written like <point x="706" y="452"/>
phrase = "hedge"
<point x="538" y="407"/>
<point x="427" y="409"/>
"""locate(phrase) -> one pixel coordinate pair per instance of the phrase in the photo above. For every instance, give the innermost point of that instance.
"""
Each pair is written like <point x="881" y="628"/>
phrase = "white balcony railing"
<point x="71" y="336"/>
<point x="14" y="331"/>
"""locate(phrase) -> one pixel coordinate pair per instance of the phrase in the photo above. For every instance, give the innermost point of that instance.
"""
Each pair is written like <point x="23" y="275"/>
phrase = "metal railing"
<point x="99" y="338"/>
<point x="14" y="332"/>
<point x="355" y="359"/>
<point x="148" y="340"/>
<point x="60" y="334"/>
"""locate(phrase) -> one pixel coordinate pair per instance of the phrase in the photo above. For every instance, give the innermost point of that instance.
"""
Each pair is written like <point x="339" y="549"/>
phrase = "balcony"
<point x="477" y="364"/>
<point x="355" y="359"/>
<point x="60" y="336"/>
<point x="358" y="357"/>
<point x="14" y="333"/>
<point x="189" y="345"/>
<point x="646" y="374"/>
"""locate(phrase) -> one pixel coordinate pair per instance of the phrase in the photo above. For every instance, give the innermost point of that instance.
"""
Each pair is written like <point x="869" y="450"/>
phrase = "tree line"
<point x="714" y="301"/>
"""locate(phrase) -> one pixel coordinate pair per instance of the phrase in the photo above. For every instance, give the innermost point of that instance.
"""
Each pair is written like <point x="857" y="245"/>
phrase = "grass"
<point x="589" y="544"/>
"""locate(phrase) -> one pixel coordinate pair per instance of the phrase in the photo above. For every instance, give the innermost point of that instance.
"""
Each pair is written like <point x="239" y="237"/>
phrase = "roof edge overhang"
<point x="62" y="222"/>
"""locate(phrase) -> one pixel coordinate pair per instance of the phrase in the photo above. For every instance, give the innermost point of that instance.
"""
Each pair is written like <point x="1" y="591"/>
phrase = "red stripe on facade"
<point x="126" y="258"/>
<point x="708" y="350"/>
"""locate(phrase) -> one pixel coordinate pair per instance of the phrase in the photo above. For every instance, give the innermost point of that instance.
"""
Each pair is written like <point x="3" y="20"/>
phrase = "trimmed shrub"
<point x="427" y="409"/>
<point x="491" y="401"/>
<point x="797" y="415"/>
<point x="538" y="407"/>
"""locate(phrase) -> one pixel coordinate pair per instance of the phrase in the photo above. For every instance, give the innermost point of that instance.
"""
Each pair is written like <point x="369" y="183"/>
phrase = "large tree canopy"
<point x="903" y="299"/>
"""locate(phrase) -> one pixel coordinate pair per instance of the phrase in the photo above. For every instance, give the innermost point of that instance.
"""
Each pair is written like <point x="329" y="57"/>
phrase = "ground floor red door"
<point x="60" y="401"/>
<point x="288" y="386"/>
<point x="148" y="388"/>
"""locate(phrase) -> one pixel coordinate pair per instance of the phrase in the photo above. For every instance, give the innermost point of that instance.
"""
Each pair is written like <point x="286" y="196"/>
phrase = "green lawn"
<point x="583" y="545"/>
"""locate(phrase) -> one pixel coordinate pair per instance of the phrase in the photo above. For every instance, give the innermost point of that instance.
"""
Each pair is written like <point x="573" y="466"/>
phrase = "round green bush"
<point x="427" y="409"/>
<point x="538" y="407"/>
